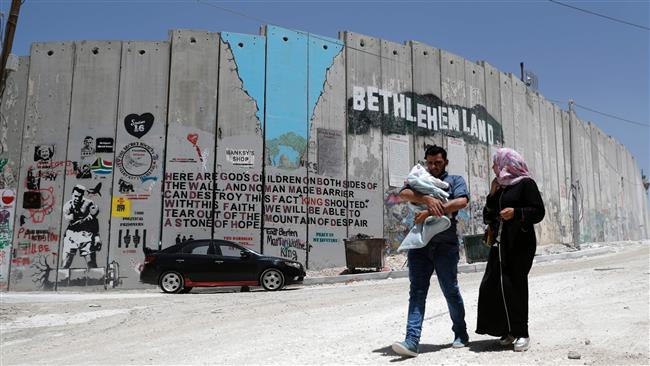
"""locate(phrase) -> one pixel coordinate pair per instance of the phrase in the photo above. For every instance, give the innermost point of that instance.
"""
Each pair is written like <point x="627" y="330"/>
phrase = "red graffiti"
<point x="193" y="138"/>
<point x="47" y="205"/>
<point x="30" y="248"/>
<point x="37" y="235"/>
<point x="21" y="261"/>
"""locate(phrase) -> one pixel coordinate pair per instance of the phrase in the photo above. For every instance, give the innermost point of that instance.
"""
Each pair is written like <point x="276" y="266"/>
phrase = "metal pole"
<point x="10" y="30"/>
<point x="575" y="213"/>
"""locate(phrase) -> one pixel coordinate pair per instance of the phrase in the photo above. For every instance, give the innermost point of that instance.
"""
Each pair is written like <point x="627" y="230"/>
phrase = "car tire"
<point x="171" y="282"/>
<point x="186" y="290"/>
<point x="272" y="279"/>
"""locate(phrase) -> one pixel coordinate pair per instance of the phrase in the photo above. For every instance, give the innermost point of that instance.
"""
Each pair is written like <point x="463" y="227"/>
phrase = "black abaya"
<point x="503" y="299"/>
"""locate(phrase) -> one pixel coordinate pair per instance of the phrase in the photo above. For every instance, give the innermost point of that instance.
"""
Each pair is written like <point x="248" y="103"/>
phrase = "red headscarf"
<point x="511" y="166"/>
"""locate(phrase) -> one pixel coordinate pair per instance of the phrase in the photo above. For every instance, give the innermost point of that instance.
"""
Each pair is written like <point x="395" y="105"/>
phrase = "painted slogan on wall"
<point x="374" y="107"/>
<point x="190" y="197"/>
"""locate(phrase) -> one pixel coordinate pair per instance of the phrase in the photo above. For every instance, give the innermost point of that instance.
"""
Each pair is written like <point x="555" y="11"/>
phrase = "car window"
<point x="227" y="249"/>
<point x="198" y="247"/>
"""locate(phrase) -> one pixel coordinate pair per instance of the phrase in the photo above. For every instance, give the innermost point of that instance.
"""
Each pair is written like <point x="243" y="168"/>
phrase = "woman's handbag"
<point x="488" y="236"/>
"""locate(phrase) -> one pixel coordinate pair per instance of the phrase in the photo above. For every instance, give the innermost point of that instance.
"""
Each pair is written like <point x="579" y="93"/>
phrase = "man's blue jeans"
<point x="443" y="258"/>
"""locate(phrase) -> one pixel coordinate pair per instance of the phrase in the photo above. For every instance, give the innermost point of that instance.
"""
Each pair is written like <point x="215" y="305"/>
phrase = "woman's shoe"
<point x="507" y="340"/>
<point x="522" y="344"/>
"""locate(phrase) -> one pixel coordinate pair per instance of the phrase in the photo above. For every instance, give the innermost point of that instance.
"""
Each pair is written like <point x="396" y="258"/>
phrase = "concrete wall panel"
<point x="398" y="129"/>
<point x="139" y="158"/>
<point x="12" y="110"/>
<point x="240" y="151"/>
<point x="327" y="209"/>
<point x="551" y="195"/>
<point x="286" y="128"/>
<point x="563" y="181"/>
<point x="507" y="109"/>
<point x="88" y="186"/>
<point x="427" y="91"/>
<point x="364" y="144"/>
<point x="189" y="162"/>
<point x="478" y="151"/>
<point x="454" y="97"/>
<point x="43" y="167"/>
<point x="598" y="212"/>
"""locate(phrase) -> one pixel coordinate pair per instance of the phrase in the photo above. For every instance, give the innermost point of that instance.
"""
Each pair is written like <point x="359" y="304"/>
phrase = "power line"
<point x="600" y="15"/>
<point x="611" y="116"/>
<point x="602" y="113"/>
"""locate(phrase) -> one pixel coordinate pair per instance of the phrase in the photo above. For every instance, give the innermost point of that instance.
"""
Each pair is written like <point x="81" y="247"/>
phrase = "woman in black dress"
<point x="513" y="206"/>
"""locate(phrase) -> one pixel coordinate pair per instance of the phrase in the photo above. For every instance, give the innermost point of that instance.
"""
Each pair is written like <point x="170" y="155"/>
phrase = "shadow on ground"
<point x="488" y="345"/>
<point x="424" y="348"/>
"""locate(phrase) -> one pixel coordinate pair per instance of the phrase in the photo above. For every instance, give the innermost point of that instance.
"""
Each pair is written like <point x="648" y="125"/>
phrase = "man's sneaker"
<point x="405" y="349"/>
<point x="522" y="344"/>
<point x="507" y="340"/>
<point x="460" y="343"/>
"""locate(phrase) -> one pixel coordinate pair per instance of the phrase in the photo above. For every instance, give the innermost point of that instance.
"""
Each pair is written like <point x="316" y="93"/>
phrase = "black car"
<point x="210" y="263"/>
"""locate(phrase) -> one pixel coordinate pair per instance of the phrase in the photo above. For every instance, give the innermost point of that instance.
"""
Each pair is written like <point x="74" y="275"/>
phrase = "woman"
<point x="513" y="206"/>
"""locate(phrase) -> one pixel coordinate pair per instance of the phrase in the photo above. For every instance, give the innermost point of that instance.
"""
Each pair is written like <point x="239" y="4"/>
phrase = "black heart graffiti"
<point x="138" y="125"/>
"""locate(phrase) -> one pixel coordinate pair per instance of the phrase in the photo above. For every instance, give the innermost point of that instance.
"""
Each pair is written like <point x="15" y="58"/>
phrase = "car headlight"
<point x="293" y="264"/>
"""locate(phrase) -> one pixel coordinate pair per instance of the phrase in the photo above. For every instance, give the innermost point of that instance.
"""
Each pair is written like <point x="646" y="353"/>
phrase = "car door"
<point x="234" y="267"/>
<point x="197" y="261"/>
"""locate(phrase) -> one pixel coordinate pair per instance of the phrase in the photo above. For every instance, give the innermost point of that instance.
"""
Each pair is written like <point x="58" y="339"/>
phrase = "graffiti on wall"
<point x="287" y="184"/>
<point x="374" y="107"/>
<point x="7" y="209"/>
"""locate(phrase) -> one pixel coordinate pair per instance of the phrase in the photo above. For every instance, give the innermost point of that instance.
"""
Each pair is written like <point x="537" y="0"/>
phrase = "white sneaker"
<point x="507" y="340"/>
<point x="403" y="349"/>
<point x="522" y="344"/>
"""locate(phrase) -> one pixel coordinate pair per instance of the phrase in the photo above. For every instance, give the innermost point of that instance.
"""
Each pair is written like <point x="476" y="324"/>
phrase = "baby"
<point x="419" y="180"/>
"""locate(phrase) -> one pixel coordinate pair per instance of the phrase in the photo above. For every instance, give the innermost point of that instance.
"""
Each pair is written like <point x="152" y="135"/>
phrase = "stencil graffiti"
<point x="138" y="125"/>
<point x="180" y="240"/>
<point x="39" y="203"/>
<point x="124" y="186"/>
<point x="126" y="238"/>
<point x="137" y="160"/>
<point x="104" y="145"/>
<point x="102" y="167"/>
<point x="88" y="148"/>
<point x="43" y="153"/>
<point x="82" y="171"/>
<point x="82" y="234"/>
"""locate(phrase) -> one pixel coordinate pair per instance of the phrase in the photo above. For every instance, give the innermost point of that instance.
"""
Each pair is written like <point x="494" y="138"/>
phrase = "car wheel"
<point x="272" y="279"/>
<point x="186" y="290"/>
<point x="171" y="282"/>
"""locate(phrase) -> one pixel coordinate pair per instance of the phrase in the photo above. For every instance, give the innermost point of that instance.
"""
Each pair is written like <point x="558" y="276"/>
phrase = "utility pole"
<point x="576" y="193"/>
<point x="10" y="30"/>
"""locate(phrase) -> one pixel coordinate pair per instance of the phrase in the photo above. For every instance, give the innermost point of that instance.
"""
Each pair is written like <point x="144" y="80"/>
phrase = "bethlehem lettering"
<point x="433" y="118"/>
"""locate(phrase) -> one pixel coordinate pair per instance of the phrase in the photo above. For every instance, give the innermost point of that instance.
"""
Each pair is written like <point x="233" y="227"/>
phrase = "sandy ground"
<point x="596" y="307"/>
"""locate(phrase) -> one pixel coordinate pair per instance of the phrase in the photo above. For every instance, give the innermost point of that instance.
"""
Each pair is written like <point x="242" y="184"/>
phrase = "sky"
<point x="601" y="64"/>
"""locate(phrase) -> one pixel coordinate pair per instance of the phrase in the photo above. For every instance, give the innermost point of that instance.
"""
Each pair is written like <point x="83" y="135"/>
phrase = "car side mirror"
<point x="244" y="254"/>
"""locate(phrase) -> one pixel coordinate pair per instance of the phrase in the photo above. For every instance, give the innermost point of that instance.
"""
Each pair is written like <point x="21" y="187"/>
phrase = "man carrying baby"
<point x="440" y="254"/>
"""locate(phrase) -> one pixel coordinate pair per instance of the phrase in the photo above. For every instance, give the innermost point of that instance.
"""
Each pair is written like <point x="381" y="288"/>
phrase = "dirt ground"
<point x="594" y="307"/>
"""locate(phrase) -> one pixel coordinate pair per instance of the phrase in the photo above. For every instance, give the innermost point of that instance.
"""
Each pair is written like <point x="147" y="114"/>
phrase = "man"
<point x="88" y="150"/>
<point x="82" y="233"/>
<point x="440" y="254"/>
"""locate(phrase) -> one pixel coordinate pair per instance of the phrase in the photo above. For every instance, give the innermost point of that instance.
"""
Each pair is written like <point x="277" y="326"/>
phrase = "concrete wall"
<point x="287" y="143"/>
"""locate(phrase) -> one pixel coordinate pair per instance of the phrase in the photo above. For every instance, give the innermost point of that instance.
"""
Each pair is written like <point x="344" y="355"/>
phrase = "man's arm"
<point x="449" y="207"/>
<point x="456" y="204"/>
<point x="434" y="205"/>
